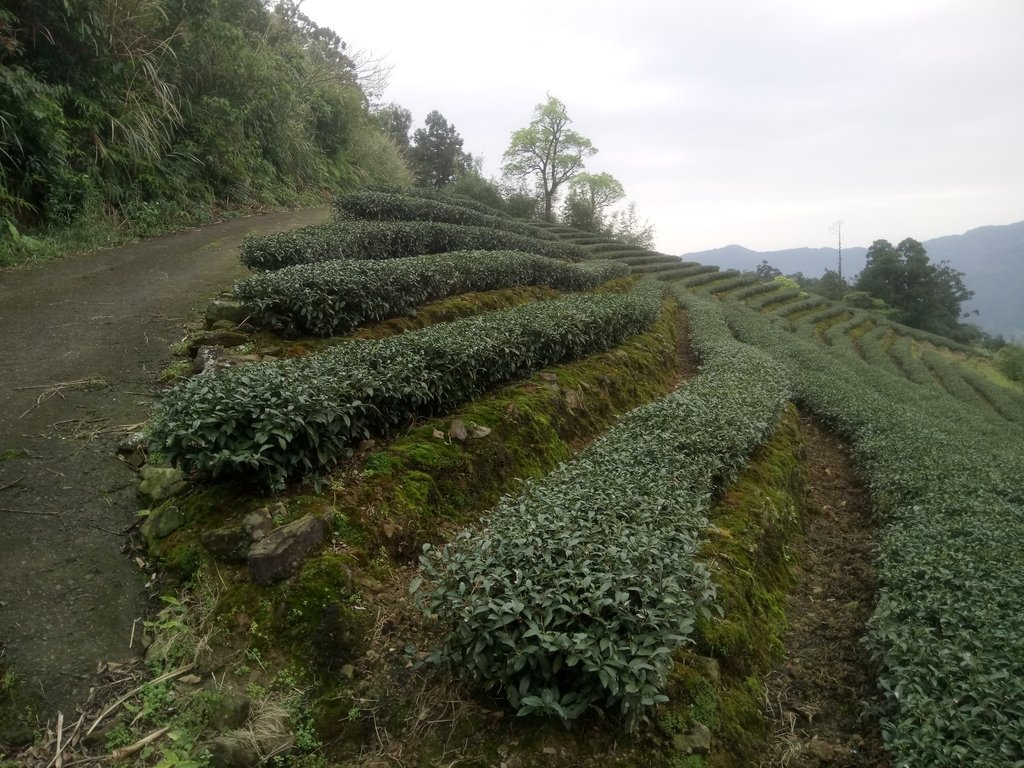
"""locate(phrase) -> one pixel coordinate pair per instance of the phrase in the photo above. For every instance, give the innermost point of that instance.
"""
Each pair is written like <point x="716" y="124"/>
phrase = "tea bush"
<point x="948" y="628"/>
<point x="765" y="301"/>
<point x="389" y="240"/>
<point x="619" y="248"/>
<point x="704" y="278"/>
<point x="385" y="206"/>
<point x="294" y="417"/>
<point x="577" y="590"/>
<point x="444" y="196"/>
<point x="966" y="384"/>
<point x="333" y="297"/>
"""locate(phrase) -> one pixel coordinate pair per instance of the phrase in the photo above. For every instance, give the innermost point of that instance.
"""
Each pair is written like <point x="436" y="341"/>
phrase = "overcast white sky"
<point x="758" y="122"/>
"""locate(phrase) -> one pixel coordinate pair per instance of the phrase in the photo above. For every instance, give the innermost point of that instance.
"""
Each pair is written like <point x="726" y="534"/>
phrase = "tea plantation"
<point x="518" y="511"/>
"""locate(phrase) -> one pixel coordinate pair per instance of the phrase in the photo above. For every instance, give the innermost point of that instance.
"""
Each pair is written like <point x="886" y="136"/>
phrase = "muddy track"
<point x="81" y="343"/>
<point x="815" y="699"/>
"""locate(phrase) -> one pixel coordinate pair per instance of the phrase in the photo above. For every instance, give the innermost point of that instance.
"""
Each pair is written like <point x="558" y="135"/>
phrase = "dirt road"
<point x="68" y="595"/>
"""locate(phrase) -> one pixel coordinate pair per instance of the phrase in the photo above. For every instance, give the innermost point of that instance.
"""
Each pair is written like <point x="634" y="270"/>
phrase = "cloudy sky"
<point x="758" y="122"/>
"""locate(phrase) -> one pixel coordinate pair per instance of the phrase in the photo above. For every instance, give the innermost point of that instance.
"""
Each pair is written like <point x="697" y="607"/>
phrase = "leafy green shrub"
<point x="443" y="196"/>
<point x="300" y="416"/>
<point x="807" y="305"/>
<point x="635" y="259"/>
<point x="670" y="271"/>
<point x="755" y="290"/>
<point x="1010" y="360"/>
<point x="608" y="247"/>
<point x="875" y="347"/>
<point x="948" y="627"/>
<point x="577" y="591"/>
<point x="734" y="284"/>
<point x="385" y="206"/>
<point x="911" y="365"/>
<point x="967" y="385"/>
<point x="389" y="240"/>
<point x="333" y="297"/>
<point x="778" y="297"/>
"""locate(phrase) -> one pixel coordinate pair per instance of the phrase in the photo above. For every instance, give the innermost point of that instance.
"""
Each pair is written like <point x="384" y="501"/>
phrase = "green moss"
<point x="318" y="624"/>
<point x="179" y="369"/>
<point x="743" y="728"/>
<point x="184" y="558"/>
<point x="425" y="475"/>
<point x="694" y="696"/>
<point x="456" y="307"/>
<point x="10" y="454"/>
<point x="753" y="525"/>
<point x="859" y="330"/>
<point x="18" y="716"/>
<point x="204" y="508"/>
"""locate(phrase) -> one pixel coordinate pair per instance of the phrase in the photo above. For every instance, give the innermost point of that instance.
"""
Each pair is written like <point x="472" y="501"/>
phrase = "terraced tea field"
<point x="469" y="490"/>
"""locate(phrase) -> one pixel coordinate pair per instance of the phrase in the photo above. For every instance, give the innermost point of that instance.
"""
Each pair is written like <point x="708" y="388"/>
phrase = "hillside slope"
<point x="992" y="259"/>
<point x="569" y="507"/>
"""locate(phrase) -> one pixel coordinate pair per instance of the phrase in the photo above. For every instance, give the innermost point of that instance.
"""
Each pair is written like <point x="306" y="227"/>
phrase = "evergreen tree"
<point x="436" y="155"/>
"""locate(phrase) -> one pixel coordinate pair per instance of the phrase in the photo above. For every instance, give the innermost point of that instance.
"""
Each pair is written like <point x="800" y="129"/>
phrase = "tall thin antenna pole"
<point x="837" y="229"/>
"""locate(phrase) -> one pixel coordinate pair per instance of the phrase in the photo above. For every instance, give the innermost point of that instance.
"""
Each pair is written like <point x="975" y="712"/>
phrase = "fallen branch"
<point x="63" y="744"/>
<point x="12" y="484"/>
<point x="58" y="388"/>
<point x="57" y="759"/>
<point x="155" y="681"/>
<point x="27" y="512"/>
<point x="120" y="754"/>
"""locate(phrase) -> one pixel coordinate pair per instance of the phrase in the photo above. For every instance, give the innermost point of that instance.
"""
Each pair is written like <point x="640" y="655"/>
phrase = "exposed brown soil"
<point x="688" y="363"/>
<point x="815" y="699"/>
<point x="83" y="340"/>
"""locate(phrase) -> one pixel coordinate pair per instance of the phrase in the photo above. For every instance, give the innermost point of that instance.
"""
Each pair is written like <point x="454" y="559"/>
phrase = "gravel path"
<point x="81" y="342"/>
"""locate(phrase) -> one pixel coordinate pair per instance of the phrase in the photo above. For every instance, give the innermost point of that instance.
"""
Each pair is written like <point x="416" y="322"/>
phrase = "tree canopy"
<point x="766" y="271"/>
<point x="151" y="112"/>
<point x="924" y="295"/>
<point x="626" y="226"/>
<point x="396" y="122"/>
<point x="548" y="151"/>
<point x="436" y="154"/>
<point x="590" y="196"/>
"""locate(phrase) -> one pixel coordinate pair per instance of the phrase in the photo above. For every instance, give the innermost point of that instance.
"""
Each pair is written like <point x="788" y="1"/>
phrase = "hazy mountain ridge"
<point x="991" y="258"/>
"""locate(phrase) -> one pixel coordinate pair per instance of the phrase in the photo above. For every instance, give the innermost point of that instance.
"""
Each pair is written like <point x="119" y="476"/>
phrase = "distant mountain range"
<point x="991" y="258"/>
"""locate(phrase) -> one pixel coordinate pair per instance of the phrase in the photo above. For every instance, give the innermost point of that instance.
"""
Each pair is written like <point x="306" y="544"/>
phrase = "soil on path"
<point x="815" y="699"/>
<point x="68" y="594"/>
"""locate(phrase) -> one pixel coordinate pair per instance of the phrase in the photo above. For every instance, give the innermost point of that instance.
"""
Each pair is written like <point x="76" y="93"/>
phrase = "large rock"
<point x="215" y="339"/>
<point x="696" y="741"/>
<point x="282" y="551"/>
<point x="207" y="360"/>
<point x="231" y="543"/>
<point x="162" y="522"/>
<point x="159" y="483"/>
<point x="260" y="522"/>
<point x="220" y="310"/>
<point x="234" y="751"/>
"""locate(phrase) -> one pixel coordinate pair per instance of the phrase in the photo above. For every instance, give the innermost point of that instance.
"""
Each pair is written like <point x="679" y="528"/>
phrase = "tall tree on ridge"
<point x="547" y="149"/>
<point x="927" y="296"/>
<point x="436" y="153"/>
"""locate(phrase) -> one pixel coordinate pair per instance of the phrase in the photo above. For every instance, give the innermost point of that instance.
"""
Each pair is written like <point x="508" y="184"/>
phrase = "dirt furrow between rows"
<point x="814" y="701"/>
